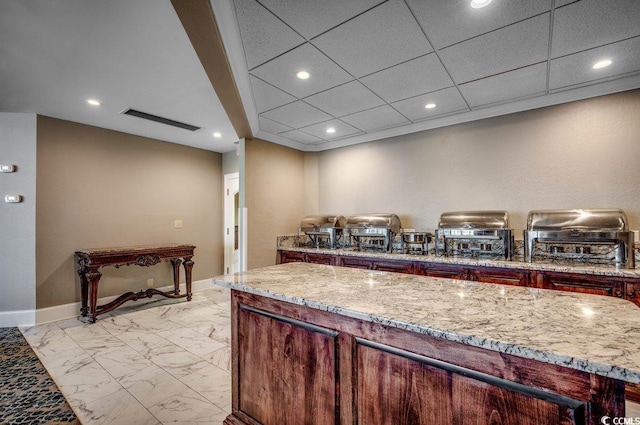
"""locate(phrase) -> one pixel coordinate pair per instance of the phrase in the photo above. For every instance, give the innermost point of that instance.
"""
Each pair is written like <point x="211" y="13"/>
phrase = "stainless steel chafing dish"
<point x="321" y="228"/>
<point x="378" y="229"/>
<point x="581" y="228"/>
<point x="475" y="233"/>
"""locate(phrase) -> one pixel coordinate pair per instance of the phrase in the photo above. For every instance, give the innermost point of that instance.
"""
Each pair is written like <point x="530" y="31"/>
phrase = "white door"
<point x="231" y="222"/>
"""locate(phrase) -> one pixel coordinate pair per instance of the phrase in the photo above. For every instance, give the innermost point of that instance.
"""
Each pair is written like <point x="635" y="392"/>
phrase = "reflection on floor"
<point x="163" y="362"/>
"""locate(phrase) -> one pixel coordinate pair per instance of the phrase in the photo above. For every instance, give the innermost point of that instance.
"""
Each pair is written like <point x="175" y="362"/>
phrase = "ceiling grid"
<point x="375" y="65"/>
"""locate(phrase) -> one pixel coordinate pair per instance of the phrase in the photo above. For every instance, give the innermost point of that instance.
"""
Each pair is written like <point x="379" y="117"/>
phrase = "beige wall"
<point x="101" y="188"/>
<point x="274" y="197"/>
<point x="583" y="154"/>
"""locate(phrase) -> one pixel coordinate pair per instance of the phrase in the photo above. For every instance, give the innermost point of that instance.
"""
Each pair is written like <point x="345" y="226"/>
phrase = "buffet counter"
<point x="366" y="346"/>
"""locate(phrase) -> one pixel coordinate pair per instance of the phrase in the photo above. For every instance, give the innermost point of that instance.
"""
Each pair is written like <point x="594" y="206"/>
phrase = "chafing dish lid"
<point x="474" y="220"/>
<point x="390" y="221"/>
<point x="585" y="220"/>
<point x="323" y="221"/>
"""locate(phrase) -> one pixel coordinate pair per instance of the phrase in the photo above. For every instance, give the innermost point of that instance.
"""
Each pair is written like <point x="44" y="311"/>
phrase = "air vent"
<point x="161" y="120"/>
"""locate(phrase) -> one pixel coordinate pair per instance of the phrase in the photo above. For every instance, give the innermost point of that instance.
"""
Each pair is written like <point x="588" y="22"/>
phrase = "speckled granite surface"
<point x="585" y="332"/>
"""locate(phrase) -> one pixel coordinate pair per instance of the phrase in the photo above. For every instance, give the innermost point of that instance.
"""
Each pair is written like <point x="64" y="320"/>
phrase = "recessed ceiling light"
<point x="217" y="135"/>
<point x="477" y="4"/>
<point x="331" y="130"/>
<point x="303" y="75"/>
<point x="430" y="105"/>
<point x="602" y="64"/>
<point x="93" y="102"/>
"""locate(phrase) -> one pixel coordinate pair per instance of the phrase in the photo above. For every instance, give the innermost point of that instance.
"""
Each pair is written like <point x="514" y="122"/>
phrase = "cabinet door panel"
<point x="357" y="263"/>
<point x="292" y="256"/>
<point x="321" y="259"/>
<point x="503" y="277"/>
<point x="441" y="270"/>
<point x="297" y="382"/>
<point x="394" y="266"/>
<point x="394" y="388"/>
<point x="584" y="284"/>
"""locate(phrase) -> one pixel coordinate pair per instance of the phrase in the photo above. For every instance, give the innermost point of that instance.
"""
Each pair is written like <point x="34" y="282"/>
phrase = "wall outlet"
<point x="150" y="283"/>
<point x="177" y="224"/>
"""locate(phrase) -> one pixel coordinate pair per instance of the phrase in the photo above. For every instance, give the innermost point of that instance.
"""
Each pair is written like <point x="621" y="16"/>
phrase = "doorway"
<point x="231" y="222"/>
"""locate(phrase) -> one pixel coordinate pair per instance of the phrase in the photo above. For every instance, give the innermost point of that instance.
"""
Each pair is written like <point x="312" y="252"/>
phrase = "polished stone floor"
<point x="167" y="361"/>
<point x="163" y="362"/>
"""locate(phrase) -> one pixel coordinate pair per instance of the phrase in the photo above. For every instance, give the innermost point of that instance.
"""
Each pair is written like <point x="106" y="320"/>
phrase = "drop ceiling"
<point x="375" y="64"/>
<point x="56" y="54"/>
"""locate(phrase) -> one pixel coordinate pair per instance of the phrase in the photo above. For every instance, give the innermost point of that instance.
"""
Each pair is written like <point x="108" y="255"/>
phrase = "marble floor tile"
<point x="186" y="407"/>
<point x="192" y="341"/>
<point x="129" y="411"/>
<point x="160" y="362"/>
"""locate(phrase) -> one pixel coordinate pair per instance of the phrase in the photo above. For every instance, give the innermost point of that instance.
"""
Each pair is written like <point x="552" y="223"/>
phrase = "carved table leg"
<point x="94" y="278"/>
<point x="84" y="287"/>
<point x="188" y="266"/>
<point x="176" y="275"/>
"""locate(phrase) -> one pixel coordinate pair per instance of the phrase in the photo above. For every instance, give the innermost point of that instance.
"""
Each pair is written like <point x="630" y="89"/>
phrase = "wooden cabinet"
<point x="296" y="365"/>
<point x="398" y="387"/>
<point x="584" y="284"/>
<point x="375" y="264"/>
<point x="442" y="270"/>
<point x="480" y="274"/>
<point x="288" y="370"/>
<point x="632" y="292"/>
<point x="502" y="276"/>
<point x="291" y="257"/>
<point x="306" y="257"/>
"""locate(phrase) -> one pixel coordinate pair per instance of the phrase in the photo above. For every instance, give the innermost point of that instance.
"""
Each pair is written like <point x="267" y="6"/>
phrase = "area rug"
<point x="28" y="395"/>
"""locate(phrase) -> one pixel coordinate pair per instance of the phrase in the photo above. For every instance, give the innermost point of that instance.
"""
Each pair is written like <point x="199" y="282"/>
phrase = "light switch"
<point x="177" y="224"/>
<point x="7" y="168"/>
<point x="12" y="198"/>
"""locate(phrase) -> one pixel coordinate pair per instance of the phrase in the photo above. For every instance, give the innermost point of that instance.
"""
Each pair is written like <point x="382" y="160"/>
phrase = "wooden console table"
<point x="90" y="260"/>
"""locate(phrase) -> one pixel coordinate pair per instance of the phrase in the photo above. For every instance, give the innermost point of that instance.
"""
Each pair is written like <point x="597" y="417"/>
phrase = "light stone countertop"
<point x="590" y="333"/>
<point x="515" y="264"/>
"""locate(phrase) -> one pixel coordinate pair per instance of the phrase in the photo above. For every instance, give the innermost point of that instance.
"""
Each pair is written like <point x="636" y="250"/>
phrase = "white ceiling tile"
<point x="263" y="35"/>
<point x="300" y="137"/>
<point x="447" y="101"/>
<point x="342" y="129"/>
<point x="509" y="85"/>
<point x="281" y="72"/>
<point x="577" y="69"/>
<point x="271" y="126"/>
<point x="422" y="75"/>
<point x="376" y="118"/>
<point x="382" y="37"/>
<point x="591" y="23"/>
<point x="311" y="18"/>
<point x="267" y="96"/>
<point x="345" y="99"/>
<point x="297" y="114"/>
<point x="447" y="22"/>
<point x="515" y="46"/>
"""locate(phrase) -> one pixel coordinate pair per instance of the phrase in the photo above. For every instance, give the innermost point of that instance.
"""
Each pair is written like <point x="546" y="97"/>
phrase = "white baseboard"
<point x="68" y="311"/>
<point x="11" y="319"/>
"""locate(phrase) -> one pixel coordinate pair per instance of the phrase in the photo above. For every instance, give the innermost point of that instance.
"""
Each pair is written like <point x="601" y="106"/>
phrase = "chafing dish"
<point x="415" y="242"/>
<point x="378" y="230"/>
<point x="323" y="229"/>
<point x="475" y="234"/>
<point x="599" y="235"/>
